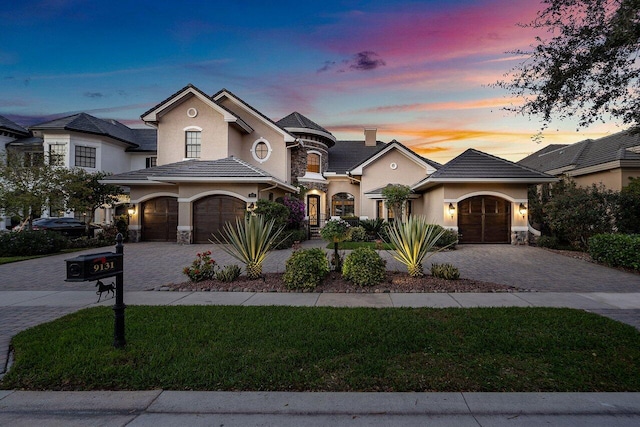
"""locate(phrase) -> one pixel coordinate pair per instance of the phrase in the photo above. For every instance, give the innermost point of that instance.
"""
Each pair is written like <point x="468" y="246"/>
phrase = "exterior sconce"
<point x="523" y="210"/>
<point x="452" y="210"/>
<point x="251" y="207"/>
<point x="131" y="210"/>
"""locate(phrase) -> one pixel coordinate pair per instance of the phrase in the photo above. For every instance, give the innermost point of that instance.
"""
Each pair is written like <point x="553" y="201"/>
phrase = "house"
<point x="217" y="155"/>
<point x="609" y="161"/>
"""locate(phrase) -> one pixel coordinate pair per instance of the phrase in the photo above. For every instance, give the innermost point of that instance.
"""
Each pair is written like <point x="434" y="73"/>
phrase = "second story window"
<point x="193" y="144"/>
<point x="151" y="162"/>
<point x="85" y="157"/>
<point x="313" y="162"/>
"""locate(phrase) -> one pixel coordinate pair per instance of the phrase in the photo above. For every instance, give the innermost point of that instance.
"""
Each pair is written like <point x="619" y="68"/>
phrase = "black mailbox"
<point x="93" y="266"/>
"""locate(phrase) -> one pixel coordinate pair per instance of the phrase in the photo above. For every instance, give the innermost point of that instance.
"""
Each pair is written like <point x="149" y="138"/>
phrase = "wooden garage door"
<point x="211" y="213"/>
<point x="484" y="219"/>
<point x="160" y="219"/>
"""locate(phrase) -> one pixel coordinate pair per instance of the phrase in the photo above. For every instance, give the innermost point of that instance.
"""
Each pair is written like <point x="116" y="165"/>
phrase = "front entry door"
<point x="313" y="210"/>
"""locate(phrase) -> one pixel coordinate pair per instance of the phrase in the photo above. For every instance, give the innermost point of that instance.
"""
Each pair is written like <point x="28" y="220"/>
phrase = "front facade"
<point x="215" y="156"/>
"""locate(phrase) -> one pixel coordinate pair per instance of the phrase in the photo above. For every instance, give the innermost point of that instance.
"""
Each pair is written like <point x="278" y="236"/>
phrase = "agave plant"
<point x="414" y="242"/>
<point x="250" y="242"/>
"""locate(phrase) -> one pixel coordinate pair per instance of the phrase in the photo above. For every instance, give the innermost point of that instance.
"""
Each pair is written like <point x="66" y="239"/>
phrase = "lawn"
<point x="330" y="349"/>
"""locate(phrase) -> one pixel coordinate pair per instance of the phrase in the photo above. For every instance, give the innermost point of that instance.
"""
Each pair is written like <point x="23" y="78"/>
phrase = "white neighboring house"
<point x="82" y="140"/>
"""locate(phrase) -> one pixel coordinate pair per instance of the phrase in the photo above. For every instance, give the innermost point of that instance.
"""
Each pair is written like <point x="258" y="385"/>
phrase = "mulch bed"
<point x="394" y="282"/>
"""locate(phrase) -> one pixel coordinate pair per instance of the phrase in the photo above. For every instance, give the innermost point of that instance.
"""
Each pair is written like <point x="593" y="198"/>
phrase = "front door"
<point x="313" y="210"/>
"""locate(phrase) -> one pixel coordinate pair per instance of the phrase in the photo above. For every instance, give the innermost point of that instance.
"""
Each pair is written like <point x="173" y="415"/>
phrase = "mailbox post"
<point x="98" y="266"/>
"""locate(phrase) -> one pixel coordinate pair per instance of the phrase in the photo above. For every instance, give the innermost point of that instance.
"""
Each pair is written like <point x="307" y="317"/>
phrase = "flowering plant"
<point x="296" y="210"/>
<point x="202" y="268"/>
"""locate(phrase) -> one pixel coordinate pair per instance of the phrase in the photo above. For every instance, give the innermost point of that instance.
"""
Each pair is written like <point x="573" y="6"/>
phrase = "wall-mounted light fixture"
<point x="452" y="210"/>
<point x="523" y="210"/>
<point x="131" y="210"/>
<point x="251" y="207"/>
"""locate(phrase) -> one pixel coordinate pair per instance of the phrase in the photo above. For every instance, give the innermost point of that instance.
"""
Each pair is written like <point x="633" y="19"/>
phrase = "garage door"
<point x="160" y="219"/>
<point x="211" y="213"/>
<point x="484" y="219"/>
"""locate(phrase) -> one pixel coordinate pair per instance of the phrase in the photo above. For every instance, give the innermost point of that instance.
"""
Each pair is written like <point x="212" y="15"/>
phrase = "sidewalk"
<point x="157" y="408"/>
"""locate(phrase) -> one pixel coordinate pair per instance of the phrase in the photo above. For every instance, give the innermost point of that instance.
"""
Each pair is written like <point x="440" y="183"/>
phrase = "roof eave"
<point x="311" y="131"/>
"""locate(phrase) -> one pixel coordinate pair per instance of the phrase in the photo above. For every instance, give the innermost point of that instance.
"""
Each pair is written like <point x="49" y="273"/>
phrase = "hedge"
<point x="616" y="250"/>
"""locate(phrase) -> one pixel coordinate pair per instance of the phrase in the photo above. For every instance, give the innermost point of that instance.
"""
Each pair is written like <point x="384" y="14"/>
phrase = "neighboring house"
<point x="610" y="160"/>
<point x="81" y="140"/>
<point x="217" y="155"/>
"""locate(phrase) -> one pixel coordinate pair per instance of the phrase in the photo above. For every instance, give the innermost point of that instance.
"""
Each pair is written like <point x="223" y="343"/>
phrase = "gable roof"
<point x="151" y="115"/>
<point x="429" y="165"/>
<point x="224" y="93"/>
<point x="297" y="123"/>
<point x="589" y="153"/>
<point x="229" y="169"/>
<point x="86" y="123"/>
<point x="476" y="166"/>
<point x="6" y="124"/>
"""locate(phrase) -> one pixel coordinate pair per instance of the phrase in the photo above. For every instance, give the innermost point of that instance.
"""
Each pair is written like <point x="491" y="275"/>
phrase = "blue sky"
<point x="416" y="70"/>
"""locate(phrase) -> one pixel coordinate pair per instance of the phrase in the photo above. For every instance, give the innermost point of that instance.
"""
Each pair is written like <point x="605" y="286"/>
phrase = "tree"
<point x="586" y="68"/>
<point x="83" y="192"/>
<point x="27" y="188"/>
<point x="628" y="212"/>
<point x="396" y="196"/>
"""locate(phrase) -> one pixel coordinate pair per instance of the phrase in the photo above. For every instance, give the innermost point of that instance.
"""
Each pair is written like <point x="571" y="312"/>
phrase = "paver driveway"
<point x="151" y="265"/>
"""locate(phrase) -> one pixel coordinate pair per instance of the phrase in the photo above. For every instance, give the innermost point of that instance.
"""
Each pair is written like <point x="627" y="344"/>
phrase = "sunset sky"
<point x="416" y="70"/>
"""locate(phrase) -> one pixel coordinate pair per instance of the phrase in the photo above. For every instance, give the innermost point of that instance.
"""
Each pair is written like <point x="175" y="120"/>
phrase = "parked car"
<point x="70" y="227"/>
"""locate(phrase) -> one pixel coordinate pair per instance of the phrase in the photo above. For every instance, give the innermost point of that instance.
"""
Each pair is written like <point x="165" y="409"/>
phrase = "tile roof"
<point x="345" y="155"/>
<point x="583" y="154"/>
<point x="11" y="126"/>
<point x="27" y="141"/>
<point x="146" y="139"/>
<point x="229" y="167"/>
<point x="474" y="165"/>
<point x="297" y="120"/>
<point x="86" y="123"/>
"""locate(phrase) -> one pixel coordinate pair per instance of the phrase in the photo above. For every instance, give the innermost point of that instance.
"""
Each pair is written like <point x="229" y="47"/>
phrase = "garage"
<point x="160" y="219"/>
<point x="484" y="219"/>
<point x="211" y="213"/>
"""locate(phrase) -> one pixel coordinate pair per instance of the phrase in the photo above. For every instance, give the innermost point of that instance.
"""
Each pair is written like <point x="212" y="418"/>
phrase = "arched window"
<point x="313" y="162"/>
<point x="343" y="204"/>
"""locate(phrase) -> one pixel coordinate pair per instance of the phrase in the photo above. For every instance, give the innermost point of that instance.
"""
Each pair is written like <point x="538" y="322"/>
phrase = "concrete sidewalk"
<point x="158" y="408"/>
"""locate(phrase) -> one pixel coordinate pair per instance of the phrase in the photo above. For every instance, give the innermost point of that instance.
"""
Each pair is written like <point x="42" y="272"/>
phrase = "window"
<point x="85" y="157"/>
<point x="342" y="204"/>
<point x="151" y="162"/>
<point x="313" y="162"/>
<point x="57" y="154"/>
<point x="193" y="144"/>
<point x="261" y="150"/>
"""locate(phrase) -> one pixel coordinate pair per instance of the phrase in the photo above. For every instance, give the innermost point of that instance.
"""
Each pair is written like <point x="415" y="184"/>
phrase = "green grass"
<point x="10" y="259"/>
<point x="330" y="349"/>
<point x="354" y="245"/>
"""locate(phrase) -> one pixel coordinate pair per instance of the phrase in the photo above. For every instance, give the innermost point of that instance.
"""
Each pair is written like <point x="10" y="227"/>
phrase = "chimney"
<point x="370" y="137"/>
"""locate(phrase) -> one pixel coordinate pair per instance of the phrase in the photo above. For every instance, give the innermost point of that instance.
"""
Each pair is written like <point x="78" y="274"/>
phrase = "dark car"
<point x="66" y="226"/>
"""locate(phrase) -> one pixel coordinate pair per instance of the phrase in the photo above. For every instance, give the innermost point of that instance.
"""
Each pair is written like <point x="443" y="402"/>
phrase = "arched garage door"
<point x="211" y="213"/>
<point x="484" y="219"/>
<point x="160" y="219"/>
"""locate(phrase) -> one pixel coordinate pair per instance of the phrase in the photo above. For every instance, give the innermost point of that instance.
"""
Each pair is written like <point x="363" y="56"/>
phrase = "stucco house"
<point x="609" y="161"/>
<point x="216" y="155"/>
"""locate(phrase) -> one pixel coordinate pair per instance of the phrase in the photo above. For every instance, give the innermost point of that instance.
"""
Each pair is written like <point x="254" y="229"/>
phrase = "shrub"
<point x="372" y="227"/>
<point x="449" y="239"/>
<point x="445" y="271"/>
<point x="305" y="269"/>
<point x="273" y="211"/>
<point x="550" y="242"/>
<point x="616" y="250"/>
<point x="364" y="267"/>
<point x="202" y="268"/>
<point x="25" y="243"/>
<point x="357" y="234"/>
<point x="297" y="210"/>
<point x="228" y="273"/>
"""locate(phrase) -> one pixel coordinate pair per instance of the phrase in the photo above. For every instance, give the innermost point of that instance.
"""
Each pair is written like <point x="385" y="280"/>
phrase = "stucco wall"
<point x="379" y="173"/>
<point x="172" y="125"/>
<point x="613" y="179"/>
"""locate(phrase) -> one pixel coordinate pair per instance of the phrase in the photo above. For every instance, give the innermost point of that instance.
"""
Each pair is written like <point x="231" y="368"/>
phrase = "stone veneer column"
<point x="519" y="237"/>
<point x="135" y="234"/>
<point x="184" y="235"/>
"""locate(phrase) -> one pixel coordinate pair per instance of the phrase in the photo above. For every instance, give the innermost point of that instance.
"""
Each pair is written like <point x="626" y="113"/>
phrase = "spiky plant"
<point x="414" y="242"/>
<point x="250" y="242"/>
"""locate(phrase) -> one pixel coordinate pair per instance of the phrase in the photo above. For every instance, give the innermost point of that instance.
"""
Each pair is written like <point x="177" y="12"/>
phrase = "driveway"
<point x="151" y="265"/>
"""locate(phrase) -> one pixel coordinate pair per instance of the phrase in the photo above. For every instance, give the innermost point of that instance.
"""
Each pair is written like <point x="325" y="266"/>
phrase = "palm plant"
<point x="414" y="242"/>
<point x="250" y="242"/>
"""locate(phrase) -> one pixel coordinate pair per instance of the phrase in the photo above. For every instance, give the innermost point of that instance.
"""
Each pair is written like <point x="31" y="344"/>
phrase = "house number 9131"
<point x="105" y="266"/>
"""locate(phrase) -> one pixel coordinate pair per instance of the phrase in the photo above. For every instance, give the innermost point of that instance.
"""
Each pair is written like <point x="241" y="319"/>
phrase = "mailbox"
<point x="93" y="266"/>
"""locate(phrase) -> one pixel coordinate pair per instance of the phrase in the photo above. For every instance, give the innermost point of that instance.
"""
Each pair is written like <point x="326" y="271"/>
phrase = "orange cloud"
<point x="434" y="106"/>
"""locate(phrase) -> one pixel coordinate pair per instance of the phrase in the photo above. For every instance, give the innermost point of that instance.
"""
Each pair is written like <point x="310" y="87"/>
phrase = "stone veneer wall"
<point x="184" y="237"/>
<point x="299" y="162"/>
<point x="519" y="237"/>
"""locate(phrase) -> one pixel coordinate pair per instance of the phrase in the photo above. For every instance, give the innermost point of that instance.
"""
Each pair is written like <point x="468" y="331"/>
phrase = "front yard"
<point x="330" y="349"/>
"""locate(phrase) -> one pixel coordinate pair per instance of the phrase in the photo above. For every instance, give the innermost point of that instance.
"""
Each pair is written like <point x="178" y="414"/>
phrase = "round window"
<point x="261" y="150"/>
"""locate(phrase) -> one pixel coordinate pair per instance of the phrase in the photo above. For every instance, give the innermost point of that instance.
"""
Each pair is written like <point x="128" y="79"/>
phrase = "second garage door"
<point x="211" y="213"/>
<point x="484" y="219"/>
